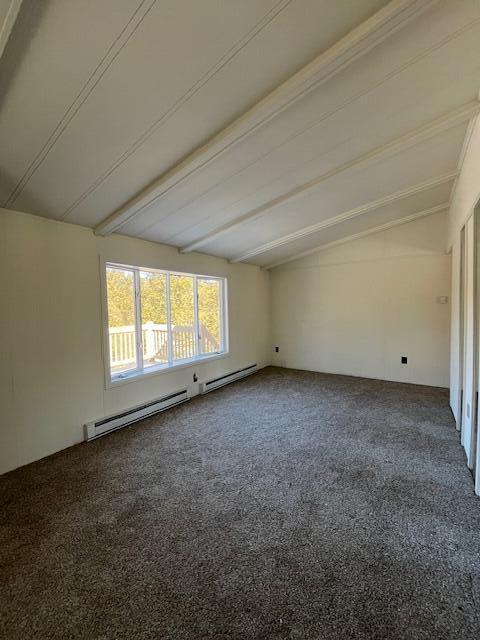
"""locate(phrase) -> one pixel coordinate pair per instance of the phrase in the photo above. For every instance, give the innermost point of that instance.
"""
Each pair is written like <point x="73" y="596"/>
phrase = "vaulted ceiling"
<point x="253" y="130"/>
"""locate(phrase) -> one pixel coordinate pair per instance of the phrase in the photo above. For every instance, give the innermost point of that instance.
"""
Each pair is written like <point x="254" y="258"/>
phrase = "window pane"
<point x="182" y="316"/>
<point x="153" y="298"/>
<point x="121" y="319"/>
<point x="209" y="315"/>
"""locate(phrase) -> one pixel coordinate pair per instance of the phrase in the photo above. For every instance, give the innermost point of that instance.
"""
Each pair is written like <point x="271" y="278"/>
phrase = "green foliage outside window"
<point x="121" y="300"/>
<point x="121" y="306"/>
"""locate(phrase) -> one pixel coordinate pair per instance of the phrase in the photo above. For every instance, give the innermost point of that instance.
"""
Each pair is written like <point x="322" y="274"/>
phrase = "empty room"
<point x="239" y="319"/>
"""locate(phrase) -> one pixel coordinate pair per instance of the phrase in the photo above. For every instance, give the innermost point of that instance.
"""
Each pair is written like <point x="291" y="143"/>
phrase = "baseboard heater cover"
<point x="112" y="423"/>
<point x="215" y="383"/>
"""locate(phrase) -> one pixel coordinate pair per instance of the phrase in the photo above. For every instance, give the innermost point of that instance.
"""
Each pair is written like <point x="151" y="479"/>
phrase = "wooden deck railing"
<point x="155" y="343"/>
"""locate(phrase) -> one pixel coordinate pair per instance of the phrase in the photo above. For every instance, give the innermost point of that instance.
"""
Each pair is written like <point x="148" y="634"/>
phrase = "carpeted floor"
<point x="288" y="505"/>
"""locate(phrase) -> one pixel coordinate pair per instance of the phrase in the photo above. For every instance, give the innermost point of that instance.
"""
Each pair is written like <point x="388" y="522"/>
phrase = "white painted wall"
<point x="356" y="308"/>
<point x="469" y="377"/>
<point x="51" y="366"/>
<point x="466" y="196"/>
<point x="455" y="335"/>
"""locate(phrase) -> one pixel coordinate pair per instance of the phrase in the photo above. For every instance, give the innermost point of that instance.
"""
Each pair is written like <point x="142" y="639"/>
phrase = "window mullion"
<point x="138" y="320"/>
<point x="195" y="316"/>
<point x="220" y="313"/>
<point x="169" y="322"/>
<point x="223" y="315"/>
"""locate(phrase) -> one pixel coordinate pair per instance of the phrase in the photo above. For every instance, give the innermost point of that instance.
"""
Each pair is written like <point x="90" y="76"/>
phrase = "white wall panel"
<point x="455" y="334"/>
<point x="357" y="308"/>
<point x="469" y="374"/>
<point x="466" y="195"/>
<point x="51" y="366"/>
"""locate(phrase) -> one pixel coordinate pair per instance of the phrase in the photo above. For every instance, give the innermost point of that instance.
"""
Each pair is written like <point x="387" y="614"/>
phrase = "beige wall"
<point x="352" y="309"/>
<point x="356" y="308"/>
<point x="51" y="366"/>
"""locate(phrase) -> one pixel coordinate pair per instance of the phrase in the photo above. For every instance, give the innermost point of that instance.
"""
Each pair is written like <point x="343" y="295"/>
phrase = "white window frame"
<point x="140" y="372"/>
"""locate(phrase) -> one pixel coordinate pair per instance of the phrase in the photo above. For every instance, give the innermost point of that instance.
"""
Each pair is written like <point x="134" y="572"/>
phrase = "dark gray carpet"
<point x="289" y="505"/>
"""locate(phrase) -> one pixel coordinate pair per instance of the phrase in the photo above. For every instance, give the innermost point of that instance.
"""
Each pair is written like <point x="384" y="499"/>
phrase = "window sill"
<point x="156" y="370"/>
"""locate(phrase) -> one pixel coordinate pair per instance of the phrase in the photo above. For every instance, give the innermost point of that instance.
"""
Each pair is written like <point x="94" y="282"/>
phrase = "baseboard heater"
<point x="215" y="383"/>
<point x="112" y="423"/>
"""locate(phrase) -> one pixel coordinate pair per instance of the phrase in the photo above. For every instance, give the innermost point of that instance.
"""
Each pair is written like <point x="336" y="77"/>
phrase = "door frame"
<point x="469" y="343"/>
<point x="474" y="457"/>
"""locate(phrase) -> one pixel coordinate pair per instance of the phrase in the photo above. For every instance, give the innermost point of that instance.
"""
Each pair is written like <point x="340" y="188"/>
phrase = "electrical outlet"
<point x="277" y="349"/>
<point x="404" y="359"/>
<point x="195" y="378"/>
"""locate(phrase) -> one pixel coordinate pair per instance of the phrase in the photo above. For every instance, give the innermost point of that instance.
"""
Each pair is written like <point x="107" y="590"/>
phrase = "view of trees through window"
<point x="182" y="313"/>
<point x="209" y="313"/>
<point x="153" y="297"/>
<point x="121" y="319"/>
<point x="162" y="342"/>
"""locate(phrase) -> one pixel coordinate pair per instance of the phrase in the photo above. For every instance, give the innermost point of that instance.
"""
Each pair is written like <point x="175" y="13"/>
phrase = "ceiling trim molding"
<point x="347" y="215"/>
<point x="411" y="138"/>
<point x="348" y="49"/>
<point x="8" y="22"/>
<point x="362" y="234"/>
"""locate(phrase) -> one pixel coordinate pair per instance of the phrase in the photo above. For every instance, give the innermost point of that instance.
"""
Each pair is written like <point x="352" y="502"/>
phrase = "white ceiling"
<point x="251" y="130"/>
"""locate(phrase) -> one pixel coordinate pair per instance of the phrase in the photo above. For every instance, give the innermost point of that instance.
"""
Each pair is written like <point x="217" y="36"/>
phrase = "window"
<point x="157" y="320"/>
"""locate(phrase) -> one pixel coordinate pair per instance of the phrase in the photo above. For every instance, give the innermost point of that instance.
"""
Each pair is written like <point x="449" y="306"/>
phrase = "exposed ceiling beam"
<point x="351" y="47"/>
<point x="347" y="215"/>
<point x="8" y="21"/>
<point x="382" y="227"/>
<point x="414" y="137"/>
